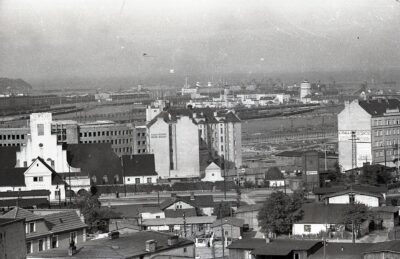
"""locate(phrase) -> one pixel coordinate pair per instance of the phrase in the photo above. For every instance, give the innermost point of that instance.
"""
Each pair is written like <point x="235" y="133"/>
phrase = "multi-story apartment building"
<point x="125" y="138"/>
<point x="176" y="137"/>
<point x="369" y="131"/>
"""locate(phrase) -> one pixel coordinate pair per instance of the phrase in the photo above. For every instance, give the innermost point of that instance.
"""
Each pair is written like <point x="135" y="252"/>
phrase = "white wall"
<point x="367" y="200"/>
<point x="298" y="229"/>
<point x="179" y="205"/>
<point x="276" y="183"/>
<point x="143" y="179"/>
<point x="354" y="118"/>
<point x="212" y="173"/>
<point x="158" y="142"/>
<point x="148" y="215"/>
<point x="187" y="149"/>
<point x="341" y="199"/>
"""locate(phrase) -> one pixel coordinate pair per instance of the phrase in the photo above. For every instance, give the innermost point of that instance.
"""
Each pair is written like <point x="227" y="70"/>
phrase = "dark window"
<point x="41" y="245"/>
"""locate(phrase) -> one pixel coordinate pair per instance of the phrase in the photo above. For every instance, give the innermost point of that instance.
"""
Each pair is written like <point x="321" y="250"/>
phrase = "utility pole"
<point x="222" y="231"/>
<point x="184" y="224"/>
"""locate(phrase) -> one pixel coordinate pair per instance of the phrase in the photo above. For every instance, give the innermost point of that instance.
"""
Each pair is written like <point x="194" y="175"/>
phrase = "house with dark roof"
<point x="231" y="227"/>
<point x="274" y="177"/>
<point x="139" y="169"/>
<point x="144" y="244"/>
<point x="194" y="205"/>
<point x="38" y="176"/>
<point x="12" y="238"/>
<point x="320" y="192"/>
<point x="318" y="218"/>
<point x="350" y="196"/>
<point x="375" y="125"/>
<point x="43" y="232"/>
<point x="273" y="248"/>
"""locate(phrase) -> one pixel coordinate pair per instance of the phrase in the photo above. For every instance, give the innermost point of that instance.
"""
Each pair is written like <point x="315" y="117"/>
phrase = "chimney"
<point x="173" y="240"/>
<point x="151" y="245"/>
<point x="192" y="196"/>
<point x="173" y="195"/>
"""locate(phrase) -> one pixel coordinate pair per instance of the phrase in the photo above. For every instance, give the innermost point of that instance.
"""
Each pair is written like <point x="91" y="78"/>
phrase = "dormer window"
<point x="30" y="227"/>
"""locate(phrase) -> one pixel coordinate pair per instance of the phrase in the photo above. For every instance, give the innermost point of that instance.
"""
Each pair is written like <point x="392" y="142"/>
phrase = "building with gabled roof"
<point x="144" y="244"/>
<point x="49" y="231"/>
<point x="38" y="176"/>
<point x="139" y="169"/>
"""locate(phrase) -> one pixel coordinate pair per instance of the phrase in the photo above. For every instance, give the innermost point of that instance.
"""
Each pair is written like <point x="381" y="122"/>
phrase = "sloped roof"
<point x="179" y="213"/>
<point x="169" y="201"/>
<point x="95" y="160"/>
<point x="8" y="157"/>
<point x="229" y="221"/>
<point x="139" y="165"/>
<point x="23" y="203"/>
<point x="281" y="247"/>
<point x="378" y="107"/>
<point x="319" y="213"/>
<point x="12" y="177"/>
<point x="63" y="221"/>
<point x="25" y="193"/>
<point x="4" y="222"/>
<point x="131" y="245"/>
<point x="133" y="210"/>
<point x="274" y="173"/>
<point x="20" y="213"/>
<point x="247" y="244"/>
<point x="248" y="208"/>
<point x="179" y="221"/>
<point x="388" y="246"/>
<point x="55" y="177"/>
<point x="200" y="200"/>
<point x="341" y="250"/>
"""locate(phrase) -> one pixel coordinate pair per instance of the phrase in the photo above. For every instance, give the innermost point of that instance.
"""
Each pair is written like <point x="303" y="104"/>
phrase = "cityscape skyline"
<point x="169" y="40"/>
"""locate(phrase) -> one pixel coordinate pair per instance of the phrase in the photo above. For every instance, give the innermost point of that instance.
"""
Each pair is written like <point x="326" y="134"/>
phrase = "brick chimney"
<point x="192" y="196"/>
<point x="151" y="245"/>
<point x="173" y="240"/>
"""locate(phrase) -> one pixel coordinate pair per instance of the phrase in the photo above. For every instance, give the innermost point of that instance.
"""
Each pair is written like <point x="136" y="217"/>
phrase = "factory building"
<point x="369" y="131"/>
<point x="305" y="91"/>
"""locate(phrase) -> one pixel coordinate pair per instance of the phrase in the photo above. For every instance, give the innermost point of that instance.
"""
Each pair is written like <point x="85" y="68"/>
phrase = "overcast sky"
<point x="108" y="38"/>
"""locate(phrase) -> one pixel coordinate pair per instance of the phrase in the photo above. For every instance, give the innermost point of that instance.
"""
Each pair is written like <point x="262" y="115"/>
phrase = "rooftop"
<point x="179" y="221"/>
<point x="139" y="165"/>
<point x="379" y="107"/>
<point x="361" y="188"/>
<point x="319" y="213"/>
<point x="229" y="221"/>
<point x="388" y="246"/>
<point x="130" y="245"/>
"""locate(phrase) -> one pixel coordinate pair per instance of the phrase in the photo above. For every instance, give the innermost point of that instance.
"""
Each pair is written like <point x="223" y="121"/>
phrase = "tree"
<point x="222" y="210"/>
<point x="280" y="211"/>
<point x="90" y="205"/>
<point x="355" y="214"/>
<point x="375" y="175"/>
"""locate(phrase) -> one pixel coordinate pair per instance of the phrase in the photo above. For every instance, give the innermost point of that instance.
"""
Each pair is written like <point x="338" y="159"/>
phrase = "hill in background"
<point x="14" y="86"/>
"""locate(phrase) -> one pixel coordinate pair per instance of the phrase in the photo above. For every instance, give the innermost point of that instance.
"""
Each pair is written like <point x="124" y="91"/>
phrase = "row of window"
<point x="10" y="144"/>
<point x="105" y="133"/>
<point x="53" y="242"/>
<point x="381" y="153"/>
<point x="386" y="122"/>
<point x="388" y="143"/>
<point x="12" y="136"/>
<point x="112" y="141"/>
<point x="388" y="132"/>
<point x="137" y="180"/>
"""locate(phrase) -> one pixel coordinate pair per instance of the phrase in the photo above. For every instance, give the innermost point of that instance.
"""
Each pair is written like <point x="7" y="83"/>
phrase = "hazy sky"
<point x="107" y="38"/>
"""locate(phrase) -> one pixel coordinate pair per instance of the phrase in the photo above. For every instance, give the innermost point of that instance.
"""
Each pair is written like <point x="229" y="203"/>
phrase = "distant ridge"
<point x="14" y="86"/>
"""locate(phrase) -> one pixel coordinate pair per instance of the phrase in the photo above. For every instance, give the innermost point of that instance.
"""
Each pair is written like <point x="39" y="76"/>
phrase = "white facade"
<point x="276" y="183"/>
<point x="41" y="143"/>
<point x="39" y="177"/>
<point x="355" y="119"/>
<point x="305" y="89"/>
<point x="309" y="229"/>
<point x="152" y="215"/>
<point x="175" y="147"/>
<point x="370" y="201"/>
<point x="213" y="173"/>
<point x="179" y="205"/>
<point x="148" y="179"/>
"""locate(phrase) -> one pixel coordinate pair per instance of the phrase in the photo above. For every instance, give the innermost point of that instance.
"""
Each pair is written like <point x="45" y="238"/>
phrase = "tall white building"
<point x="175" y="137"/>
<point x="305" y="90"/>
<point x="369" y="131"/>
